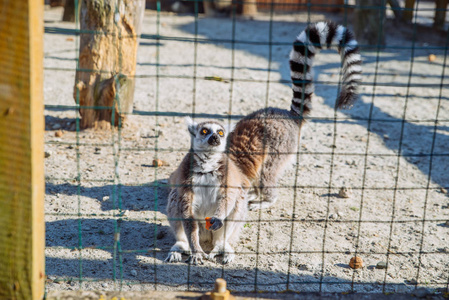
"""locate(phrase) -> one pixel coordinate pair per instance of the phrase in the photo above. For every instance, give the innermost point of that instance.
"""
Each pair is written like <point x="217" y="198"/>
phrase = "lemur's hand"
<point x="216" y="223"/>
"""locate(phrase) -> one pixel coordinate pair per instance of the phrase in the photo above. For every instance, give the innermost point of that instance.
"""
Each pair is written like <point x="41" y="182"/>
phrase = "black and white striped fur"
<point x="308" y="43"/>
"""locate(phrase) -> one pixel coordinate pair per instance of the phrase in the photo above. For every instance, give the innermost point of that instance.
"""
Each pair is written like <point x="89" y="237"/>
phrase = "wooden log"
<point x="107" y="61"/>
<point x="440" y="13"/>
<point x="22" y="227"/>
<point x="369" y="22"/>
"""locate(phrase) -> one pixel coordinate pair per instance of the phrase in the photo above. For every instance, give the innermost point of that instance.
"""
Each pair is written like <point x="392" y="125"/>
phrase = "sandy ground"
<point x="105" y="202"/>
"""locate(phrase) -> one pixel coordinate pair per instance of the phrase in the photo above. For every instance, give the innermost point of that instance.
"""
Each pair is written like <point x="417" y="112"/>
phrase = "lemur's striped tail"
<point x="307" y="44"/>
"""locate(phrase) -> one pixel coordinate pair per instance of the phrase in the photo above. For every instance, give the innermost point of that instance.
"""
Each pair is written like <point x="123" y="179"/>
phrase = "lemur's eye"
<point x="220" y="132"/>
<point x="204" y="131"/>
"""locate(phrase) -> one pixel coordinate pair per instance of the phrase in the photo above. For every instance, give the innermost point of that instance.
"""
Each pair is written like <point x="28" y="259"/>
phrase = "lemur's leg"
<point x="223" y="247"/>
<point x="272" y="170"/>
<point x="254" y="193"/>
<point x="230" y="230"/>
<point x="181" y="245"/>
<point x="191" y="228"/>
<point x="185" y="228"/>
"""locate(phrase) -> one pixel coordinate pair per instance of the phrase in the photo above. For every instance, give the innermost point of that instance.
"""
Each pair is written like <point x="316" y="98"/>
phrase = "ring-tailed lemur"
<point x="206" y="184"/>
<point x="263" y="143"/>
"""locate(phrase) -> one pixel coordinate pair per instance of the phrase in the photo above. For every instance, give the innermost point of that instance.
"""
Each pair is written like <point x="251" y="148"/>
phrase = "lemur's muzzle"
<point x="214" y="140"/>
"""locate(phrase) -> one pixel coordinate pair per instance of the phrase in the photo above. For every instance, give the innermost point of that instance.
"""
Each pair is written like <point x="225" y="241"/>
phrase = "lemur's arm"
<point x="226" y="204"/>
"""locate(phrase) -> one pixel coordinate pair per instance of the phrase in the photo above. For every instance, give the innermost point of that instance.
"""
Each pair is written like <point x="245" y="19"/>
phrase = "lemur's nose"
<point x="214" y="140"/>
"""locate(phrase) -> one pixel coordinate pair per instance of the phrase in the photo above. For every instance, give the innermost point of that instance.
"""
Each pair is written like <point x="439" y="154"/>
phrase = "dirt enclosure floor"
<point x="105" y="201"/>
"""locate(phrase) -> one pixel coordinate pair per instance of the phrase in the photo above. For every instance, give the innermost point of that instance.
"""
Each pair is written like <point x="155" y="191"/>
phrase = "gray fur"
<point x="265" y="142"/>
<point x="206" y="184"/>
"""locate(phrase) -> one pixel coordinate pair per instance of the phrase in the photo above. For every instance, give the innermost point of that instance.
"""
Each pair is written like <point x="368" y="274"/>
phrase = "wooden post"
<point x="69" y="11"/>
<point x="408" y="12"/>
<point x="369" y="22"/>
<point x="107" y="60"/>
<point x="440" y="13"/>
<point x="249" y="8"/>
<point x="22" y="232"/>
<point x="396" y="8"/>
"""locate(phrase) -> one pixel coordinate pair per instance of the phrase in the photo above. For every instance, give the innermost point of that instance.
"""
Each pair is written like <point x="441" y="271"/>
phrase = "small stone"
<point x="345" y="192"/>
<point x="59" y="133"/>
<point x="381" y="265"/>
<point x="134" y="273"/>
<point x="97" y="150"/>
<point x="160" y="235"/>
<point x="356" y="262"/>
<point x="105" y="198"/>
<point x="447" y="223"/>
<point x="443" y="190"/>
<point x="47" y="154"/>
<point x="351" y="163"/>
<point x="160" y="163"/>
<point x="432" y="57"/>
<point x="303" y="267"/>
<point x="422" y="292"/>
<point x="56" y="126"/>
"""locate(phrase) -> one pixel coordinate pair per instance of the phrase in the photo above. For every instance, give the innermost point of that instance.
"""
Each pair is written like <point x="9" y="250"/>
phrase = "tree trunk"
<point x="369" y="25"/>
<point x="107" y="60"/>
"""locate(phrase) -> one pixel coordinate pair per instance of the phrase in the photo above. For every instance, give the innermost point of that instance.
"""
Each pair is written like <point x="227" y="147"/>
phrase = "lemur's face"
<point x="207" y="136"/>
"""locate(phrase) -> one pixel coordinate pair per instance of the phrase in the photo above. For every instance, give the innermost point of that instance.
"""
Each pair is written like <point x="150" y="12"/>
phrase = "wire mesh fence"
<point x="369" y="182"/>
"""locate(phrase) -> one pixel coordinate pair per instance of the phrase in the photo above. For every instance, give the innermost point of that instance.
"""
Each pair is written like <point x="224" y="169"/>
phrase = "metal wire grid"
<point x="115" y="144"/>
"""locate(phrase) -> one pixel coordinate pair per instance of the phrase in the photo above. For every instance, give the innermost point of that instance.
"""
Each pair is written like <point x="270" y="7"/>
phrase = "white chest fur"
<point x="205" y="191"/>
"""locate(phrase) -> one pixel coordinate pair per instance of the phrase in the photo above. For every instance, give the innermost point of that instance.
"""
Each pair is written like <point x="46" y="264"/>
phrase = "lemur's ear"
<point x="191" y="125"/>
<point x="229" y="127"/>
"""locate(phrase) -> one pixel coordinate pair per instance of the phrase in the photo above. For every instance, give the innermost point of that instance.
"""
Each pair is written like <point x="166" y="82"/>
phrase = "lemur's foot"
<point x="228" y="258"/>
<point x="196" y="258"/>
<point x="173" y="257"/>
<point x="175" y="254"/>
